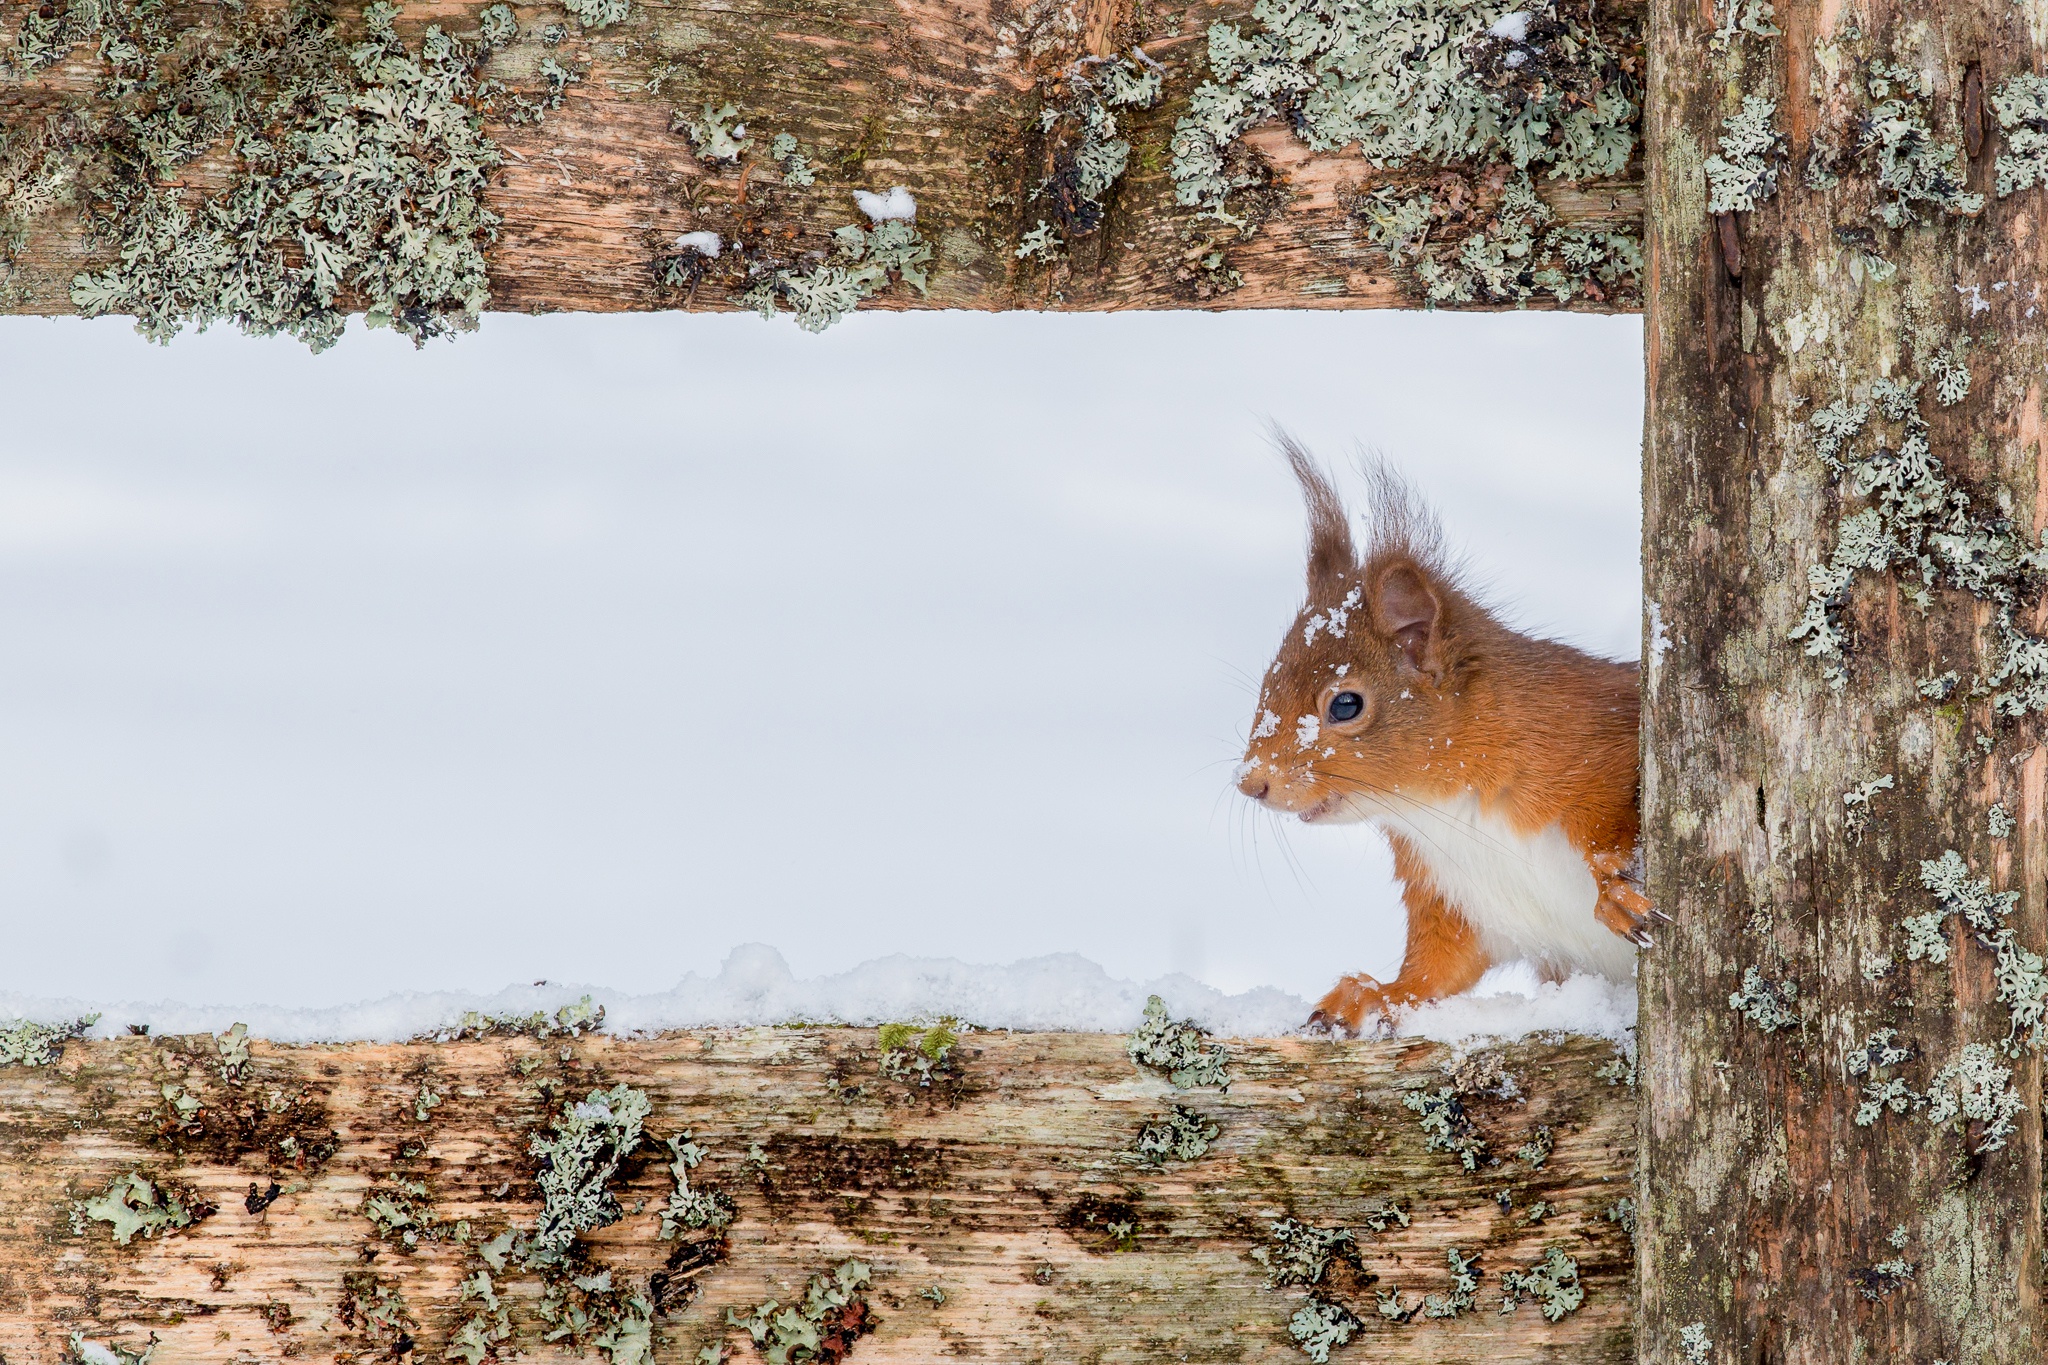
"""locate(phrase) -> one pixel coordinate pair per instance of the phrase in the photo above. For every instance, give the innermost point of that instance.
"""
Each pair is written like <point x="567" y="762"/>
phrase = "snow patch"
<point x="1513" y="27"/>
<point x="703" y="243"/>
<point x="896" y="205"/>
<point x="1063" y="992"/>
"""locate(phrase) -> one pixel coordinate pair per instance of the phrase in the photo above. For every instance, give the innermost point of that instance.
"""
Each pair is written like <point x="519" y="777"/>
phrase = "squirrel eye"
<point x="1346" y="706"/>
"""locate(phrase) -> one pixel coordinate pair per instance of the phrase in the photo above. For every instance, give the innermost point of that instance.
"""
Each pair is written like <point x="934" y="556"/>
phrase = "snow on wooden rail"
<point x="790" y="1194"/>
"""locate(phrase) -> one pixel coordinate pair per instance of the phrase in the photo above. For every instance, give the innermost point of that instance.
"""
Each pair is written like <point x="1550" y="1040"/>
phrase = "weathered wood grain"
<point x="996" y="1187"/>
<point x="942" y="98"/>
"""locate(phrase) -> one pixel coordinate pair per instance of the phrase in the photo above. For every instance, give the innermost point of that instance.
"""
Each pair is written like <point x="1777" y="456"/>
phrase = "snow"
<point x="895" y="205"/>
<point x="1513" y="27"/>
<point x="755" y="987"/>
<point x="703" y="243"/>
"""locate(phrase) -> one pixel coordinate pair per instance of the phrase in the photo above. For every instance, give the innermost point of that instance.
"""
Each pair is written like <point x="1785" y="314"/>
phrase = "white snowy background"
<point x="596" y="649"/>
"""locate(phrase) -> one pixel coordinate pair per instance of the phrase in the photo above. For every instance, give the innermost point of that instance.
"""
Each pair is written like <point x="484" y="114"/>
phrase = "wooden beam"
<point x="949" y="100"/>
<point x="1843" y="783"/>
<point x="999" y="1211"/>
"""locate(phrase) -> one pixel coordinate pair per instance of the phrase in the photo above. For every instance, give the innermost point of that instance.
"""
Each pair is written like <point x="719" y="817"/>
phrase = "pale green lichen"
<point x="1434" y="80"/>
<point x="1976" y="1087"/>
<point x="1445" y="1125"/>
<point x="597" y="13"/>
<point x="233" y="1047"/>
<point x="46" y="40"/>
<point x="688" y="1207"/>
<point x="1923" y="520"/>
<point x="1915" y="174"/>
<point x="29" y="1043"/>
<point x="1622" y="1213"/>
<point x="1770" y="1005"/>
<point x="1856" y="803"/>
<point x="1745" y="173"/>
<point x="578" y="1160"/>
<point x="1553" y="1283"/>
<point x="715" y="137"/>
<point x="1085" y="155"/>
<point x="833" y="1314"/>
<point x="1300" y="1253"/>
<point x="1536" y="1151"/>
<point x="1514" y="255"/>
<point x="1464" y="1288"/>
<point x="1319" y="1327"/>
<point x="2021" y="974"/>
<point x="1752" y="17"/>
<point x="1180" y="1134"/>
<point x="1999" y="822"/>
<point x="133" y="1204"/>
<point x="360" y="169"/>
<point x="425" y="1103"/>
<point x="1949" y="367"/>
<point x="1941" y="688"/>
<point x="1697" y="1345"/>
<point x="401" y="1212"/>
<point x="1041" y="244"/>
<point x="486" y="1326"/>
<point x="2021" y="106"/>
<point x="860" y="267"/>
<point x="570" y="1021"/>
<point x="1176" y="1049"/>
<point x="555" y="80"/>
<point x="591" y="1310"/>
<point x="796" y="166"/>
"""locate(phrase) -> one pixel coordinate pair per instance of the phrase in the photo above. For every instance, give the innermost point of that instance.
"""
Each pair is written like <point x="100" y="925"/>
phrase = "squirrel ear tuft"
<point x="1331" y="557"/>
<point x="1410" y="615"/>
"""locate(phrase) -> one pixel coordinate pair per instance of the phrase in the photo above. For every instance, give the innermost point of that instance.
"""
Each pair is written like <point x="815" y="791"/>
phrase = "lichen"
<point x="485" y="1326"/>
<point x="401" y="1212"/>
<point x="1976" y="1087"/>
<point x="359" y="169"/>
<point x="1856" y="803"/>
<point x="688" y="1207"/>
<point x="1319" y="1327"/>
<point x="1536" y="1151"/>
<point x="1622" y="1213"/>
<point x="233" y="1047"/>
<point x="1752" y="151"/>
<point x="2021" y="974"/>
<point x="1084" y="155"/>
<point x="1435" y="80"/>
<point x="1921" y="520"/>
<point x="80" y="1351"/>
<point x="1513" y="255"/>
<point x="1464" y="1288"/>
<point x="1696" y="1343"/>
<point x="714" y="136"/>
<point x="860" y="267"/>
<point x="425" y="1103"/>
<point x="823" y="1328"/>
<point x="375" y="1317"/>
<point x="1552" y="1282"/>
<point x="915" y="1055"/>
<point x="578" y="1160"/>
<point x="1180" y="1134"/>
<point x="1915" y="174"/>
<point x="590" y="1309"/>
<point x="1998" y="821"/>
<point x="1300" y="1253"/>
<point x="598" y="13"/>
<point x="133" y="1204"/>
<point x="1445" y="1125"/>
<point x="1770" y="1005"/>
<point x="1175" y="1048"/>
<point x="29" y="1043"/>
<point x="2021" y="107"/>
<point x="796" y="166"/>
<point x="570" y="1021"/>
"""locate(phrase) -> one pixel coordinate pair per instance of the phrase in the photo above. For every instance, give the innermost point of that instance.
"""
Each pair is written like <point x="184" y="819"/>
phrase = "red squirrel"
<point x="1502" y="769"/>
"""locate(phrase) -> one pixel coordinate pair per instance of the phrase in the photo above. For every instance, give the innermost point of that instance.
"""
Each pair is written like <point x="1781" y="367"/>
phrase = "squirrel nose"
<point x="1255" y="785"/>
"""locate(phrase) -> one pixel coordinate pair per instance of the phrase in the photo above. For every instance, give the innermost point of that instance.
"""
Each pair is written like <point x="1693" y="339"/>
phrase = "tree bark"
<point x="1814" y="1188"/>
<point x="998" y="1211"/>
<point x="943" y="99"/>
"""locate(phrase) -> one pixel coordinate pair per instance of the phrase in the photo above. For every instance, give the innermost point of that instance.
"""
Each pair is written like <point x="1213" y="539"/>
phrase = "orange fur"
<point x="1455" y="704"/>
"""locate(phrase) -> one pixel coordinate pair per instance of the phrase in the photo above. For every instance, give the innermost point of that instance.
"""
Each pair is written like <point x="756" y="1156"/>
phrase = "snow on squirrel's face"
<point x="1360" y="708"/>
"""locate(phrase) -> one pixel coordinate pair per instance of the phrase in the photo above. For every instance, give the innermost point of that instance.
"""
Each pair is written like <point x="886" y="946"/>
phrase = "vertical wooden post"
<point x="1841" y="1110"/>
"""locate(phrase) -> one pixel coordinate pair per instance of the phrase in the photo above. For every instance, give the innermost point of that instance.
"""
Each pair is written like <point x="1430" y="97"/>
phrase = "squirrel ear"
<point x="1411" y="616"/>
<point x="1331" y="558"/>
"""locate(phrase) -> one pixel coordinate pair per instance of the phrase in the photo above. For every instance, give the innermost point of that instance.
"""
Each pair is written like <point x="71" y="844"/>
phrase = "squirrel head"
<point x="1363" y="705"/>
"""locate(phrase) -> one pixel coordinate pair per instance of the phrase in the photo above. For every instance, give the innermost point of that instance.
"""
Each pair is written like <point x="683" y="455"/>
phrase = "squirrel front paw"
<point x="1347" y="1006"/>
<point x="1621" y="907"/>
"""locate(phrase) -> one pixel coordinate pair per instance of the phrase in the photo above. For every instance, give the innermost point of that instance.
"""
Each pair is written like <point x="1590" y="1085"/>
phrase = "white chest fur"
<point x="1529" y="897"/>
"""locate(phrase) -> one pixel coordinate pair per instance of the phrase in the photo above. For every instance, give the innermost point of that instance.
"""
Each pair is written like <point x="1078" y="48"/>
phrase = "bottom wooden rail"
<point x="806" y="1194"/>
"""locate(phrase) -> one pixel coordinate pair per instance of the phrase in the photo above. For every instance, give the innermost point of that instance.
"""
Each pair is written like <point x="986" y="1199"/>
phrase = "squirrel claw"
<point x="1661" y="915"/>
